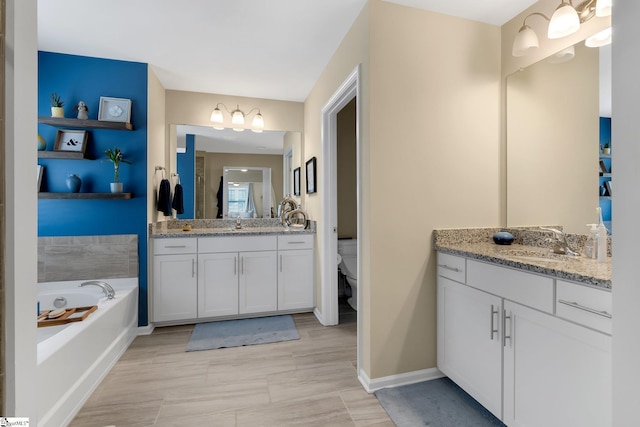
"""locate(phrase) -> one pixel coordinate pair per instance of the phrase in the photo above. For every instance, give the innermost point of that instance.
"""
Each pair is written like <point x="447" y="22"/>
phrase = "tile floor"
<point x="311" y="381"/>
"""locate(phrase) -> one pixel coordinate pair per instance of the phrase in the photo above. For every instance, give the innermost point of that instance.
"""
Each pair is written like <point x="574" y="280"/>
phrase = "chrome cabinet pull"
<point x="506" y="337"/>
<point x="295" y="243"/>
<point x="281" y="263"/>
<point x="446" y="267"/>
<point x="175" y="246"/>
<point x="582" y="307"/>
<point x="235" y="265"/>
<point x="242" y="265"/>
<point x="193" y="267"/>
<point x="494" y="329"/>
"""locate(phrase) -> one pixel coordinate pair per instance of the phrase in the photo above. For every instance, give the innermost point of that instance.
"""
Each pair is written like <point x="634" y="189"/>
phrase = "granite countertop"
<point x="214" y="228"/>
<point x="529" y="257"/>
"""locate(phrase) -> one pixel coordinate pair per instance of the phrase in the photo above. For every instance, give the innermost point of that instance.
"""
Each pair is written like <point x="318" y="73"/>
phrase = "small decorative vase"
<point x="42" y="144"/>
<point x="503" y="237"/>
<point x="73" y="183"/>
<point x="116" y="187"/>
<point x="57" y="112"/>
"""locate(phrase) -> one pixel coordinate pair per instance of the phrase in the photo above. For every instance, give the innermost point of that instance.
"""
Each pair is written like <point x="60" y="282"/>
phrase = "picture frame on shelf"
<point x="71" y="140"/>
<point x="296" y="181"/>
<point x="114" y="110"/>
<point x="40" y="173"/>
<point x="312" y="186"/>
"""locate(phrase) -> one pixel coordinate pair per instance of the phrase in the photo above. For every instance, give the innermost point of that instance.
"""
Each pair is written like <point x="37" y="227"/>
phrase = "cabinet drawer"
<point x="518" y="286"/>
<point x="237" y="244"/>
<point x="188" y="245"/>
<point x="451" y="267"/>
<point x="302" y="241"/>
<point x="581" y="304"/>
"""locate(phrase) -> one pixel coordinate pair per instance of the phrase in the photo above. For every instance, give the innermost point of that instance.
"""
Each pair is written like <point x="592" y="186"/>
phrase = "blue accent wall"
<point x="186" y="165"/>
<point x="605" y="137"/>
<point x="79" y="78"/>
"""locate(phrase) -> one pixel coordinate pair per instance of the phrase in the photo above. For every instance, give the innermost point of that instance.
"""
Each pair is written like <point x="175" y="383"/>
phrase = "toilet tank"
<point x="348" y="247"/>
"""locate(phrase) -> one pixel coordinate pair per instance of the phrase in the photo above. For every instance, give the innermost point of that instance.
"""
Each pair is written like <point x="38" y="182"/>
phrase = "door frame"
<point x="347" y="91"/>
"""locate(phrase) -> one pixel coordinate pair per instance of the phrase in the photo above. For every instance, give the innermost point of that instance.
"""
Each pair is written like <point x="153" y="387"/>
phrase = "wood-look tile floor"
<point x="311" y="381"/>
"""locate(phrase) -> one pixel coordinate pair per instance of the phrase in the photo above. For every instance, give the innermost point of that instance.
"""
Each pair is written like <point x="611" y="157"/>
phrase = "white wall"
<point x="626" y="205"/>
<point x="21" y="256"/>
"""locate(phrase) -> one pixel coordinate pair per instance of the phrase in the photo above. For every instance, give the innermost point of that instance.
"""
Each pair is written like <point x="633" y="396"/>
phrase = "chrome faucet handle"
<point x="558" y="234"/>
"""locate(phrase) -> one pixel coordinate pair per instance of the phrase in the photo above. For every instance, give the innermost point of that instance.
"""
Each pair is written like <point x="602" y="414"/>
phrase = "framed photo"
<point x="312" y="186"/>
<point x="296" y="182"/>
<point x="114" y="110"/>
<point x="40" y="173"/>
<point x="71" y="140"/>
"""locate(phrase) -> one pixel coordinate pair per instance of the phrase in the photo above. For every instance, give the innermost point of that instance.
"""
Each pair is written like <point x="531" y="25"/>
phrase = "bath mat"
<point x="435" y="403"/>
<point x="237" y="333"/>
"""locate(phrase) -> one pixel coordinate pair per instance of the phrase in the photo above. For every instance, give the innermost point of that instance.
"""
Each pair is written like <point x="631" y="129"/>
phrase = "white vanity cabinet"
<point x="532" y="349"/>
<point x="556" y="373"/>
<point x="295" y="272"/>
<point x="175" y="282"/>
<point x="237" y="275"/>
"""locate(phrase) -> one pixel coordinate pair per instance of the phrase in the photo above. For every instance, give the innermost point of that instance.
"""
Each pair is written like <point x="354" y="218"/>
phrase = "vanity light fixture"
<point x="565" y="21"/>
<point x="237" y="118"/>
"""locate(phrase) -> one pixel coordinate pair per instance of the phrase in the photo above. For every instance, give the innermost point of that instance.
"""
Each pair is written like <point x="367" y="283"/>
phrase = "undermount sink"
<point x="536" y="255"/>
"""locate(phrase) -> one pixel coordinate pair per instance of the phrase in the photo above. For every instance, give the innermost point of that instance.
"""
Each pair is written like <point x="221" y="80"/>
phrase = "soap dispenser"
<point x="591" y="246"/>
<point x="602" y="238"/>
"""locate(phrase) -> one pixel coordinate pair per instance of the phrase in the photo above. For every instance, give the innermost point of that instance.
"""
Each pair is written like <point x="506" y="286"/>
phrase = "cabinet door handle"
<point x="295" y="243"/>
<point x="506" y="337"/>
<point x="281" y="263"/>
<point x="175" y="246"/>
<point x="494" y="329"/>
<point x="242" y="265"/>
<point x="446" y="267"/>
<point x="193" y="267"/>
<point x="235" y="265"/>
<point x="582" y="307"/>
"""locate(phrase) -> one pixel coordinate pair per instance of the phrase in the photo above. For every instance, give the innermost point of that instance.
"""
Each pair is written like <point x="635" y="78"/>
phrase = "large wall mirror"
<point x="553" y="139"/>
<point x="260" y="155"/>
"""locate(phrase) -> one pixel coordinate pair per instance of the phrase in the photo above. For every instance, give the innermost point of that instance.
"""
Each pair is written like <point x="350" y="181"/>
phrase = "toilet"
<point x="348" y="251"/>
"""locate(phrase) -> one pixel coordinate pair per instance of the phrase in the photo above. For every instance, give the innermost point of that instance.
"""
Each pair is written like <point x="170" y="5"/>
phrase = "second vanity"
<point x="220" y="272"/>
<point x="525" y="332"/>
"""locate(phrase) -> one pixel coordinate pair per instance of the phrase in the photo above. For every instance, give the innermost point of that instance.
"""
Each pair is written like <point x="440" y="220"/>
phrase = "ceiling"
<point x="272" y="49"/>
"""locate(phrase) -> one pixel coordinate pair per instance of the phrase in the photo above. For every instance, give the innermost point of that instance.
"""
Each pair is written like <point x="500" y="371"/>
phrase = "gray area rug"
<point x="435" y="403"/>
<point x="236" y="333"/>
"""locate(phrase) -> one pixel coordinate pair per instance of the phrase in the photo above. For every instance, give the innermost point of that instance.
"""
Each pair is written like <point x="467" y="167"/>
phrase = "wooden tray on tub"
<point x="77" y="314"/>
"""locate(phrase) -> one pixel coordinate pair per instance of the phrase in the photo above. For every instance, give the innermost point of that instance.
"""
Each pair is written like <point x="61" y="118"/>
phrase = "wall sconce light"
<point x="565" y="21"/>
<point x="237" y="118"/>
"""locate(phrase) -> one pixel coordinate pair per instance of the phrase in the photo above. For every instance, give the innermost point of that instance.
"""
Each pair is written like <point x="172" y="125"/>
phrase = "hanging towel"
<point x="178" y="202"/>
<point x="219" y="195"/>
<point x="164" y="197"/>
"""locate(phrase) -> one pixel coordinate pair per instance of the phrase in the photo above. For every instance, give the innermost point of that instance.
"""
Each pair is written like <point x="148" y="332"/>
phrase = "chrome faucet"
<point x="109" y="292"/>
<point x="559" y="244"/>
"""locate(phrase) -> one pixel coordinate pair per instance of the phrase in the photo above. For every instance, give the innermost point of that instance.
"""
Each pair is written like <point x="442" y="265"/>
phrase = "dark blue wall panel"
<point x="186" y="165"/>
<point x="77" y="78"/>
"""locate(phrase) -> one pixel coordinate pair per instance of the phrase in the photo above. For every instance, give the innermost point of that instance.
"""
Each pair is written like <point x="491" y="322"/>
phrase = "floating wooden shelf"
<point x="69" y="155"/>
<point x="84" y="124"/>
<point x="111" y="196"/>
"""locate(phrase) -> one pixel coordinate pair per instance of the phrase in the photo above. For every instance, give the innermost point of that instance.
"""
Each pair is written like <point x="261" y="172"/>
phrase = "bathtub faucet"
<point x="106" y="288"/>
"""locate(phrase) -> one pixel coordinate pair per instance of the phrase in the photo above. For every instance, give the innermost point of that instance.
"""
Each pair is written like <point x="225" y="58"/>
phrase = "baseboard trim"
<point x="145" y="330"/>
<point x="371" y="385"/>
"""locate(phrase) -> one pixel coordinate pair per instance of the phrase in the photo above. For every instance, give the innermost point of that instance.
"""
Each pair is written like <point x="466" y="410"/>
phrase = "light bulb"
<point x="565" y="21"/>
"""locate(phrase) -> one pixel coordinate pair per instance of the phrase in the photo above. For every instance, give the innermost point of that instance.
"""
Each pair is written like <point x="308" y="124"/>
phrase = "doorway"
<point x="346" y="93"/>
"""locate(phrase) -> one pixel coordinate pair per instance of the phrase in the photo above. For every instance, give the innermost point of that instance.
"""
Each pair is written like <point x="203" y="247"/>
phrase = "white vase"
<point x="57" y="112"/>
<point x="116" y="187"/>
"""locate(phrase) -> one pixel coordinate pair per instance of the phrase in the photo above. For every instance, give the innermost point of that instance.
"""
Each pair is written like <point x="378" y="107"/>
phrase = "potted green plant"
<point x="115" y="156"/>
<point x="56" y="106"/>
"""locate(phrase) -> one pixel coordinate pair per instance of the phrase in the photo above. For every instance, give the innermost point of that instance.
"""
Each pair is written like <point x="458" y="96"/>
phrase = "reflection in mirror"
<point x="248" y="192"/>
<point x="213" y="149"/>
<point x="553" y="112"/>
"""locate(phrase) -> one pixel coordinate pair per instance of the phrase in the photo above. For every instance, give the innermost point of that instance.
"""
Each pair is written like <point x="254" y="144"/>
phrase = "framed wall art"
<point x="114" y="110"/>
<point x="312" y="186"/>
<point x="296" y="182"/>
<point x="71" y="140"/>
